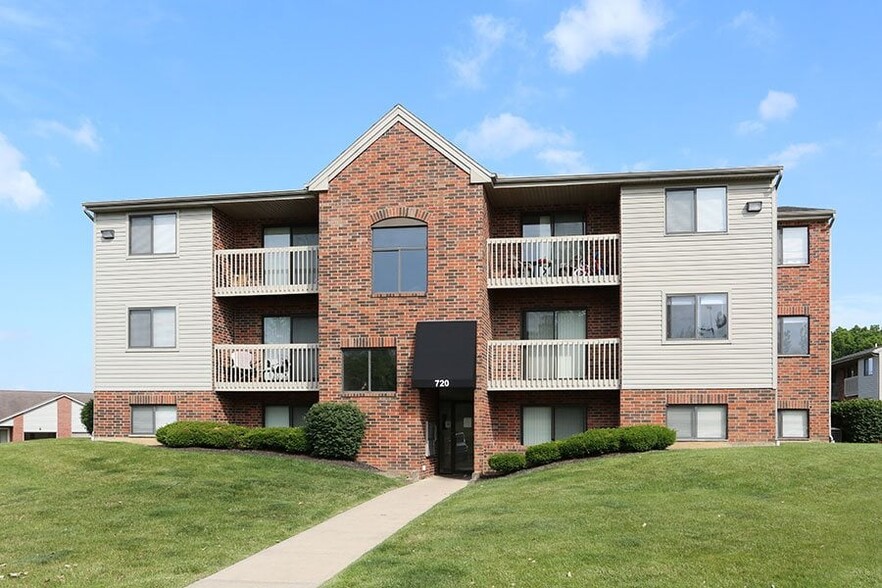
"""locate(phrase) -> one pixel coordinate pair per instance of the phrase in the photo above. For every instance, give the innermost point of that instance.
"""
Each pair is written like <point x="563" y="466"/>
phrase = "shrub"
<point x="335" y="430"/>
<point x="288" y="440"/>
<point x="591" y="442"/>
<point x="201" y="434"/>
<point x="87" y="415"/>
<point x="506" y="463"/>
<point x="646" y="437"/>
<point x="860" y="420"/>
<point x="542" y="454"/>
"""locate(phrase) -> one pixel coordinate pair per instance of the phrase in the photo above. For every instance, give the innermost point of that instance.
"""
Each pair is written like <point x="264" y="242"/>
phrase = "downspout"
<point x="776" y="181"/>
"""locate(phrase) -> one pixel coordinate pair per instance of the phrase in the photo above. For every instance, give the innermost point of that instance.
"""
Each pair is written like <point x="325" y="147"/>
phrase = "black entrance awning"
<point x="444" y="354"/>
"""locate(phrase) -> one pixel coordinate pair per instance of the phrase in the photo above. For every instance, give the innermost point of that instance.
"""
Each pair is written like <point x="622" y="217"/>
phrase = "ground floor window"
<point x="285" y="416"/>
<point x="41" y="435"/>
<point x="793" y="424"/>
<point x="369" y="370"/>
<point x="146" y="418"/>
<point x="698" y="421"/>
<point x="540" y="424"/>
<point x="5" y="436"/>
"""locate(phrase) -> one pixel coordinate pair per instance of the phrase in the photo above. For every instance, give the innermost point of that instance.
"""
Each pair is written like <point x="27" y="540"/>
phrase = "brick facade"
<point x="804" y="382"/>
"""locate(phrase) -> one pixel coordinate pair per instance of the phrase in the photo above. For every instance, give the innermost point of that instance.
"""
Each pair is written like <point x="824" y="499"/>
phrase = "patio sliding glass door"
<point x="547" y="361"/>
<point x="277" y="266"/>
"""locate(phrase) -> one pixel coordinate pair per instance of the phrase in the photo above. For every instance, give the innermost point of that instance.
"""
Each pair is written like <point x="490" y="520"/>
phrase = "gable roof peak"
<point x="399" y="114"/>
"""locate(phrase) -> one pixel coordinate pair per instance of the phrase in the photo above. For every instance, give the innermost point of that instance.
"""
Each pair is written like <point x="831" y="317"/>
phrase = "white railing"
<point x="266" y="367"/>
<point x="272" y="270"/>
<point x="553" y="261"/>
<point x="852" y="386"/>
<point x="553" y="364"/>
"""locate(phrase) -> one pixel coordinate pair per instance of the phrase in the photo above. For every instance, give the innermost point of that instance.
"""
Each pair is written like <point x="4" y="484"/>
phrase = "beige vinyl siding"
<point x="43" y="419"/>
<point x="181" y="280"/>
<point x="740" y="263"/>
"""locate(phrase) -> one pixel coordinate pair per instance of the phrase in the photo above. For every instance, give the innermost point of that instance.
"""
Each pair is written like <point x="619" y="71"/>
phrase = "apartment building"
<point x="464" y="312"/>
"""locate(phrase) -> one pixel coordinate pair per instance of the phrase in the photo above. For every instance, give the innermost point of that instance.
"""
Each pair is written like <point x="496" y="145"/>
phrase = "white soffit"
<point x="477" y="173"/>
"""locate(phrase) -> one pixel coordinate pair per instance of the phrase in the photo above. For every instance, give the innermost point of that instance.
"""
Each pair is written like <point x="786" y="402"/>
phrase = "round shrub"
<point x="646" y="437"/>
<point x="506" y="463"/>
<point x="591" y="442"/>
<point x="542" y="454"/>
<point x="335" y="430"/>
<point x="87" y="415"/>
<point x="859" y="419"/>
<point x="288" y="440"/>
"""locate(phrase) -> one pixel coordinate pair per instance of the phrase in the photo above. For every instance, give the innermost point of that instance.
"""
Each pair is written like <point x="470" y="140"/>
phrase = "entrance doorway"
<point x="456" y="439"/>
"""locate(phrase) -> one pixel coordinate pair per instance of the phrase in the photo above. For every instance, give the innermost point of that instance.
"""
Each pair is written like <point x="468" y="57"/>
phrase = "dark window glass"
<point x="400" y="259"/>
<point x="698" y="316"/>
<point x="369" y="370"/>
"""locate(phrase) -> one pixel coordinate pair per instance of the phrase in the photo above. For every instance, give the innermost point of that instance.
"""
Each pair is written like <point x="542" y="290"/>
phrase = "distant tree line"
<point x="848" y="341"/>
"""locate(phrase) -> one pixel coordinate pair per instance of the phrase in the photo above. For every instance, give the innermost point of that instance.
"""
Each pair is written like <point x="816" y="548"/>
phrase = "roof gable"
<point x="477" y="173"/>
<point x="16" y="402"/>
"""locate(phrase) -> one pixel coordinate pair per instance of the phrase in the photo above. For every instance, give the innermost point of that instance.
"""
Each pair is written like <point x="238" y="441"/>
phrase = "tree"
<point x="848" y="341"/>
<point x="87" y="414"/>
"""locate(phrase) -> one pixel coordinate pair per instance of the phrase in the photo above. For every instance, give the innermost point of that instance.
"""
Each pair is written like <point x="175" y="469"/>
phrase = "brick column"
<point x="18" y="428"/>
<point x="64" y="426"/>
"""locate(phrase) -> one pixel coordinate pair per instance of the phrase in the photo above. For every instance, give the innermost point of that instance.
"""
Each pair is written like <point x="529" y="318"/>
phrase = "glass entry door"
<point x="456" y="439"/>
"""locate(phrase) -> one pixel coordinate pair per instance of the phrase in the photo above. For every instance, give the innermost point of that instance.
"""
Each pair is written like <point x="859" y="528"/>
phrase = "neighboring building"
<point x="26" y="415"/>
<point x="466" y="313"/>
<point x="857" y="375"/>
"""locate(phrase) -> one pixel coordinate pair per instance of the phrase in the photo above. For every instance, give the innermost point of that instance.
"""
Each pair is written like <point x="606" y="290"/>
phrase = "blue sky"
<point x="110" y="100"/>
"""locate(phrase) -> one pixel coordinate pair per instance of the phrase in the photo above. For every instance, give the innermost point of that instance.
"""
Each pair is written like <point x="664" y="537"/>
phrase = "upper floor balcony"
<point x="553" y="364"/>
<point x="268" y="270"/>
<point x="577" y="260"/>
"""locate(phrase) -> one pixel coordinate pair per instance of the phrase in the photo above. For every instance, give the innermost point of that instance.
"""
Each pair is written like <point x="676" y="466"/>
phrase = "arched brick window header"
<point x="399" y="212"/>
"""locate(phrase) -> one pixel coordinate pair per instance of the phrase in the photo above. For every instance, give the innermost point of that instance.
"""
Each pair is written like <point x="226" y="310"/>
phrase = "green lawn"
<point x="79" y="513"/>
<point x="797" y="515"/>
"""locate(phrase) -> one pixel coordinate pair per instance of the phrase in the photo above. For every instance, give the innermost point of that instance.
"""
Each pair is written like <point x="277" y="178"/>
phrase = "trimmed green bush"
<point x="201" y="434"/>
<point x="506" y="463"/>
<point x="288" y="440"/>
<point x="335" y="430"/>
<point x="646" y="438"/>
<point x="590" y="443"/>
<point x="542" y="454"/>
<point x="87" y="415"/>
<point x="859" y="419"/>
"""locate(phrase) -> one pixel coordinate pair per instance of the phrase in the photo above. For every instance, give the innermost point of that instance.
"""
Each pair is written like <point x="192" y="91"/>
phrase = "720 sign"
<point x="442" y="383"/>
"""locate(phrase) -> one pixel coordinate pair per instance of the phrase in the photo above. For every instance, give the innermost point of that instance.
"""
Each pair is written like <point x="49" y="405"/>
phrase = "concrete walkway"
<point x="316" y="555"/>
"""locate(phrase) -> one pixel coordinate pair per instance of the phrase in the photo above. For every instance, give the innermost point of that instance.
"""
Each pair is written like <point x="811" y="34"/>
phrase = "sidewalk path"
<point x="317" y="554"/>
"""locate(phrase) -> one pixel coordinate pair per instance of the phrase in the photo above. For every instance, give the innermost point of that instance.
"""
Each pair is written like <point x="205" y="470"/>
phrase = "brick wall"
<point x="601" y="218"/>
<point x="602" y="304"/>
<point x="18" y="428"/>
<point x="751" y="412"/>
<point x="804" y="382"/>
<point x="63" y="410"/>
<point x="397" y="171"/>
<point x="241" y="318"/>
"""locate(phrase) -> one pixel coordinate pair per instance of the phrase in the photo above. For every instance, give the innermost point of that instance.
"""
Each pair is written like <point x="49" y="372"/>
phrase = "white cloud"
<point x="750" y="127"/>
<point x="594" y="27"/>
<point x="507" y="134"/>
<point x="777" y="106"/>
<point x="86" y="135"/>
<point x="793" y="154"/>
<point x="564" y="161"/>
<point x="856" y="309"/>
<point x="16" y="184"/>
<point x="757" y="31"/>
<point x="489" y="34"/>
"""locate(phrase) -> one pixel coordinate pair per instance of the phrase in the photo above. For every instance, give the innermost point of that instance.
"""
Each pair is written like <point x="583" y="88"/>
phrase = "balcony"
<point x="276" y="270"/>
<point x="266" y="368"/>
<point x="571" y="364"/>
<point x="580" y="260"/>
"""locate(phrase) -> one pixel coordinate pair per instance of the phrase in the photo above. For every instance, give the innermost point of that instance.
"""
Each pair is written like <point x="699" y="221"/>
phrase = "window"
<point x="369" y="370"/>
<point x="285" y="416"/>
<point x="869" y="366"/>
<point x="291" y="360"/>
<point x="698" y="421"/>
<point x="146" y="418"/>
<point x="561" y="362"/>
<point x="151" y="327"/>
<point x="400" y="260"/>
<point x="281" y="268"/>
<point x="549" y="225"/>
<point x="793" y="424"/>
<point x="793" y="335"/>
<point x="551" y="423"/>
<point x="702" y="210"/>
<point x="793" y="246"/>
<point x="152" y="234"/>
<point x="698" y="316"/>
<point x="290" y="329"/>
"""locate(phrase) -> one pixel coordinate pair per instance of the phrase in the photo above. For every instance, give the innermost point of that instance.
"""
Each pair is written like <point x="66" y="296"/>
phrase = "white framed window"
<point x="698" y="421"/>
<point x="153" y="234"/>
<point x="152" y="328"/>
<point x="146" y="418"/>
<point x="870" y="366"/>
<point x="285" y="416"/>
<point x="793" y="246"/>
<point x="697" y="316"/>
<point x="793" y="424"/>
<point x="793" y="335"/>
<point x="399" y="256"/>
<point x="540" y="424"/>
<point x="698" y="210"/>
